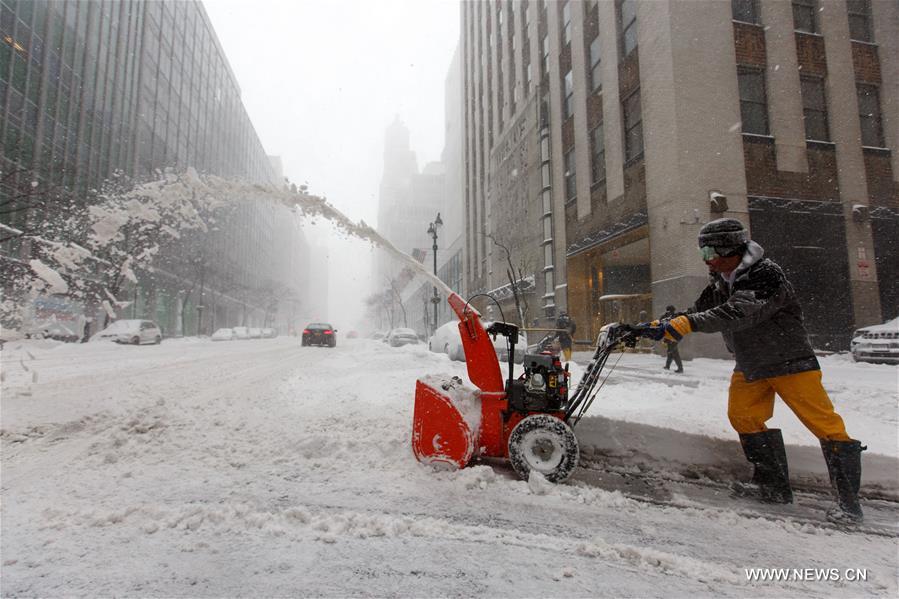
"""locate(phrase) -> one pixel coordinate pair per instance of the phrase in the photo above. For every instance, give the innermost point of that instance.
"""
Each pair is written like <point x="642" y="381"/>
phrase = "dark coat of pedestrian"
<point x="672" y="352"/>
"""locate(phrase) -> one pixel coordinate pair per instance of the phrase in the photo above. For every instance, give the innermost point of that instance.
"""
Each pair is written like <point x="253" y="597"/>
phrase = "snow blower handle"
<point x="628" y="334"/>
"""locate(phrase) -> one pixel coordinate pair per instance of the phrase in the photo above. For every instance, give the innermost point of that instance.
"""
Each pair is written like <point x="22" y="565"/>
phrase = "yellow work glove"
<point x="677" y="328"/>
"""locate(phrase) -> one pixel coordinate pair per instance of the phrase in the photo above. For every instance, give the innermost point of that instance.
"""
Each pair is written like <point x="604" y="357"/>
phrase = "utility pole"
<point x="432" y="231"/>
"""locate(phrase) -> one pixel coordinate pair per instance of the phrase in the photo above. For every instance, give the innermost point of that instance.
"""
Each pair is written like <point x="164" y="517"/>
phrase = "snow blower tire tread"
<point x="547" y="429"/>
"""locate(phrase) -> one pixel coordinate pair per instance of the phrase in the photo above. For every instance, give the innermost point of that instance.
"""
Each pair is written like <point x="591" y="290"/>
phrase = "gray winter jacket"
<point x="759" y="317"/>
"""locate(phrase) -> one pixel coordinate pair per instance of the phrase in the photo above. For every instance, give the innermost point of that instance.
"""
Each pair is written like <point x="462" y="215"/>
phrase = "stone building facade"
<point x="652" y="118"/>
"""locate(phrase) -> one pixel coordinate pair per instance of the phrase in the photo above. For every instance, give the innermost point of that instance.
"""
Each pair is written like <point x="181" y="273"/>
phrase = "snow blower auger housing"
<point x="529" y="420"/>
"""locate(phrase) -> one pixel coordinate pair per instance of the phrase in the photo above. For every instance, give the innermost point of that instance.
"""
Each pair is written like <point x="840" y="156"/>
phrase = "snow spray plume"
<point x="172" y="187"/>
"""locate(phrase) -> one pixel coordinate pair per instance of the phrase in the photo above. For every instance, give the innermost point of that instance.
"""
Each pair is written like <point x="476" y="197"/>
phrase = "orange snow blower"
<point x="528" y="420"/>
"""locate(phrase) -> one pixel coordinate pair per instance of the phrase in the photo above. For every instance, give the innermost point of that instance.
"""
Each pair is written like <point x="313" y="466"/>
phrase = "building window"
<point x="805" y="13"/>
<point x="860" y="20"/>
<point x="746" y="11"/>
<point x="595" y="75"/>
<point x="545" y="62"/>
<point x="633" y="127"/>
<point x="627" y="22"/>
<point x="566" y="23"/>
<point x="568" y="100"/>
<point x="598" y="165"/>
<point x="869" y="115"/>
<point x="570" y="187"/>
<point x="753" y="103"/>
<point x="814" y="109"/>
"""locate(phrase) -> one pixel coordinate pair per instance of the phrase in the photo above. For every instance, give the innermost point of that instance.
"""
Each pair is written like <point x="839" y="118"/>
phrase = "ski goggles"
<point x="709" y="253"/>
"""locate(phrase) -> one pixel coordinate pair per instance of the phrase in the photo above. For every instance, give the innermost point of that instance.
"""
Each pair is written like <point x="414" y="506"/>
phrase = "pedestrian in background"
<point x="566" y="327"/>
<point x="671" y="345"/>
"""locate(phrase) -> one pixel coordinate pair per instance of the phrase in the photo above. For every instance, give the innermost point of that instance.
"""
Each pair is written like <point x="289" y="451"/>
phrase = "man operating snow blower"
<point x="751" y="302"/>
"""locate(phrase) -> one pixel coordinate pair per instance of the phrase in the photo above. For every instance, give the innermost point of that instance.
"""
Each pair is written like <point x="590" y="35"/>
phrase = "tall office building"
<point x="90" y="87"/>
<point x="620" y="127"/>
<point x="407" y="202"/>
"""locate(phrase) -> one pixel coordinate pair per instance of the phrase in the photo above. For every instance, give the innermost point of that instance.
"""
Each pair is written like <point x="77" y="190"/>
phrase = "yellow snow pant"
<point x="751" y="404"/>
<point x="566" y="353"/>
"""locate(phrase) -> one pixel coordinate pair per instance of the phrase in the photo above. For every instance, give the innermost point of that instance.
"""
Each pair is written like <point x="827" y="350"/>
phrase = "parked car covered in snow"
<point x="255" y="333"/>
<point x="446" y="340"/>
<point x="877" y="343"/>
<point x="378" y="336"/>
<point x="53" y="329"/>
<point x="224" y="335"/>
<point x="134" y="332"/>
<point x="241" y="333"/>
<point x="502" y="347"/>
<point x="269" y="333"/>
<point x="401" y="336"/>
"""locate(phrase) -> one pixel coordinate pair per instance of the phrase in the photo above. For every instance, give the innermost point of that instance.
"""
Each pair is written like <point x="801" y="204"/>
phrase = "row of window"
<point x="631" y="112"/>
<point x="805" y="16"/>
<point x="633" y="144"/>
<point x="87" y="127"/>
<point x="754" y="107"/>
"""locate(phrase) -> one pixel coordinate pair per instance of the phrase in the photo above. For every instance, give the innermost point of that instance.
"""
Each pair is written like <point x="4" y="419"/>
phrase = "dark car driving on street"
<point x="320" y="333"/>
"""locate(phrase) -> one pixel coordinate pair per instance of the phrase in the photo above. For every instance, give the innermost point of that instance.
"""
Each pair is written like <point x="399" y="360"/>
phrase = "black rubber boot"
<point x="765" y="450"/>
<point x="844" y="465"/>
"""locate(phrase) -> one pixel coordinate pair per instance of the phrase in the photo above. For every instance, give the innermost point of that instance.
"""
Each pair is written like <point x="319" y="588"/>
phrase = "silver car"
<point x="401" y="336"/>
<point x="877" y="343"/>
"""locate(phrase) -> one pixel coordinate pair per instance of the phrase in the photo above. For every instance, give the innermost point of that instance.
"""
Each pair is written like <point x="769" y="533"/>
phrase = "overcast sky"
<point x="321" y="80"/>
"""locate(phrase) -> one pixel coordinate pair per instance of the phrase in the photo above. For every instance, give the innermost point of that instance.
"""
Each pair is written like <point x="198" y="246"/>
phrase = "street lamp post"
<point x="432" y="231"/>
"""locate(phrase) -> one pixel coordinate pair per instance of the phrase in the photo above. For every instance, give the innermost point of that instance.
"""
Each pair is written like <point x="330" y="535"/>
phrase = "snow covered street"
<point x="264" y="468"/>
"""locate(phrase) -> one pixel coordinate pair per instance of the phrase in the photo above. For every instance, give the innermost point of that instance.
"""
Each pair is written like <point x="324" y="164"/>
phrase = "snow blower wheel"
<point x="546" y="444"/>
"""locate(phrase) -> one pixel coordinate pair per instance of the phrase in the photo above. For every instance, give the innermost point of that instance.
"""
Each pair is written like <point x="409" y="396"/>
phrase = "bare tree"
<point x="398" y="296"/>
<point x="516" y="278"/>
<point x="89" y="247"/>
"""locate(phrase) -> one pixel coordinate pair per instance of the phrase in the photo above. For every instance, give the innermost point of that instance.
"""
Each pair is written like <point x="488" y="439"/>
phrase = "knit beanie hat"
<point x="723" y="233"/>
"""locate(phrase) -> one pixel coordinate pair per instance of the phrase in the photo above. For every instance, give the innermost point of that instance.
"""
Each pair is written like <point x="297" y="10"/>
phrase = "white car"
<point x="401" y="336"/>
<point x="135" y="332"/>
<point x="446" y="340"/>
<point x="501" y="345"/>
<point x="241" y="333"/>
<point x="224" y="335"/>
<point x="255" y="333"/>
<point x="877" y="343"/>
<point x="269" y="333"/>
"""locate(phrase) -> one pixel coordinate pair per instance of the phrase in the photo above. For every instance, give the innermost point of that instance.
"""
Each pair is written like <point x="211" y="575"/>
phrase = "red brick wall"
<point x="594" y="111"/>
<point x="568" y="135"/>
<point x="749" y="42"/>
<point x="628" y="75"/>
<point x="763" y="178"/>
<point x="866" y="63"/>
<point x="882" y="189"/>
<point x="810" y="54"/>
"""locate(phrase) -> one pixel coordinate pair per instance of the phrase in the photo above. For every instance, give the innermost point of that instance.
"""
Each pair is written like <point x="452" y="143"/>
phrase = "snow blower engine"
<point x="529" y="420"/>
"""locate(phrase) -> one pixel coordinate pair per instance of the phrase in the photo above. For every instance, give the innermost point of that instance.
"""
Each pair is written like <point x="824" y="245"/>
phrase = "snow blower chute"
<point x="528" y="420"/>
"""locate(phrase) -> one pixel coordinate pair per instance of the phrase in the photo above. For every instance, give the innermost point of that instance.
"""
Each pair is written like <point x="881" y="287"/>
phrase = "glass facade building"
<point x="89" y="88"/>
